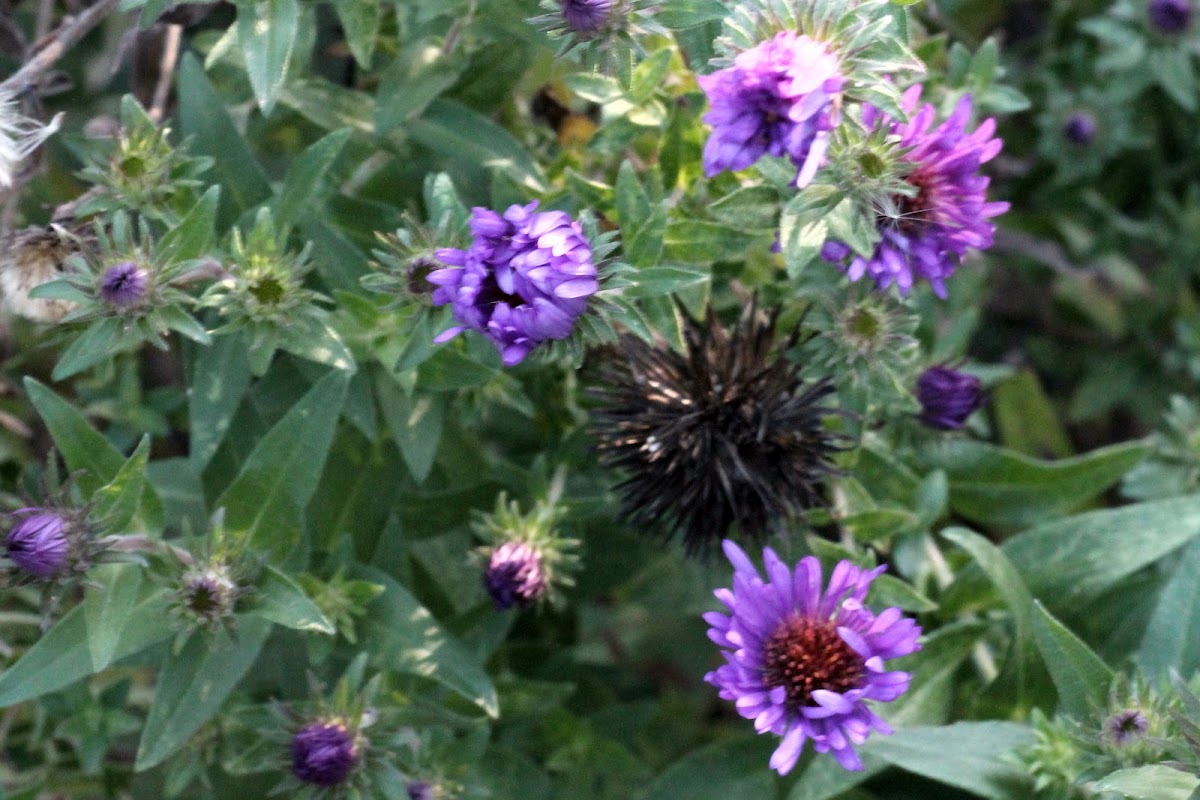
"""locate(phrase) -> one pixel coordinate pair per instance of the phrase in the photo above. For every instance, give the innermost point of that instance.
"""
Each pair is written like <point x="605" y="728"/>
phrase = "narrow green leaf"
<point x="974" y="756"/>
<point x="1154" y="782"/>
<point x="681" y="14"/>
<point x="81" y="446"/>
<point x="62" y="655"/>
<point x="408" y="86"/>
<point x="203" y="117"/>
<point x="127" y="504"/>
<point x="456" y="131"/>
<point x="724" y="769"/>
<point x="98" y="342"/>
<point x="111" y="593"/>
<point x="192" y="237"/>
<point x="1081" y="678"/>
<point x="219" y="381"/>
<point x="995" y="486"/>
<point x="360" y="20"/>
<point x="1172" y="639"/>
<point x="403" y="636"/>
<point x="266" y="31"/>
<point x="305" y="175"/>
<point x="265" y="500"/>
<point x="193" y="684"/>
<point x="415" y="422"/>
<point x="281" y="600"/>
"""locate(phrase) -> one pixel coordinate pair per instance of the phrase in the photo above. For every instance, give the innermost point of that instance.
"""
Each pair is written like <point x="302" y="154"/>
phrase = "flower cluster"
<point x="524" y="280"/>
<point x="801" y="660"/>
<point x="925" y="234"/>
<point x="780" y="99"/>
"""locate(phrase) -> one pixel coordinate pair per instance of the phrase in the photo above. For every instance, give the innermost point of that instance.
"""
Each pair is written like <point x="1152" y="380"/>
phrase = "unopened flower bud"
<point x="1126" y="726"/>
<point x="948" y="397"/>
<point x="1170" y="16"/>
<point x="324" y="753"/>
<point x="124" y="285"/>
<point x="420" y="790"/>
<point x="207" y="595"/>
<point x="586" y="16"/>
<point x="39" y="544"/>
<point x="514" y="576"/>
<point x="1080" y="128"/>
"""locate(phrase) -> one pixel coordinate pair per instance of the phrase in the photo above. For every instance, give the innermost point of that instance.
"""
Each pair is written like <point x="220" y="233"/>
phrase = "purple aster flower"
<point x="525" y="279"/>
<point x="514" y="576"/>
<point x="1170" y="16"/>
<point x="1080" y="128"/>
<point x="39" y="543"/>
<point x="123" y="285"/>
<point x="1127" y="726"/>
<point x="324" y="753"/>
<point x="801" y="660"/>
<point x="947" y="397"/>
<point x="779" y="99"/>
<point x="586" y="16"/>
<point x="948" y="213"/>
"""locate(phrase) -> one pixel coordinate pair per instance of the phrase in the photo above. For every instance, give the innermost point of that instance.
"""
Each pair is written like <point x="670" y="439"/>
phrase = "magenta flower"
<point x="777" y="99"/>
<point x="802" y="659"/>
<point x="514" y="576"/>
<point x="525" y="279"/>
<point x="586" y="16"/>
<point x="948" y="213"/>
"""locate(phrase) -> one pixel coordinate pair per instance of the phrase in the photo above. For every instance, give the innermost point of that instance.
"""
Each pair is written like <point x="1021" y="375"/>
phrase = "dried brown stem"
<point x="63" y="39"/>
<point x="166" y="72"/>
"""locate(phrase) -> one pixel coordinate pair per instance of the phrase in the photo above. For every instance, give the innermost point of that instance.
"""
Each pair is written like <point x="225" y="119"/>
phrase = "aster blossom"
<point x="39" y="543"/>
<point x="925" y="236"/>
<point x="324" y="753"/>
<point x="586" y="16"/>
<point x="948" y="397"/>
<point x="123" y="284"/>
<point x="524" y="280"/>
<point x="514" y="576"/>
<point x="779" y="98"/>
<point x="802" y="659"/>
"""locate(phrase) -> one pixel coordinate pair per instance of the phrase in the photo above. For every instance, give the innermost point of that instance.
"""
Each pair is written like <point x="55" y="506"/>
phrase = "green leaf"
<point x="1026" y="419"/>
<point x="1081" y="678"/>
<point x="192" y="237"/>
<point x="409" y="85"/>
<point x="281" y="600"/>
<point x="314" y="338"/>
<point x="203" y="117"/>
<point x="1154" y="782"/>
<point x="995" y="486"/>
<point x="305" y="175"/>
<point x="402" y="636"/>
<point x="681" y="14"/>
<point x="360" y="21"/>
<point x="724" y="769"/>
<point x="456" y="131"/>
<point x="658" y="281"/>
<point x="98" y="342"/>
<point x="80" y="445"/>
<point x="63" y="656"/>
<point x="700" y="242"/>
<point x="826" y="779"/>
<point x="1172" y="68"/>
<point x="219" y="381"/>
<point x="111" y="593"/>
<point x="1068" y="563"/>
<point x="1007" y="580"/>
<point x="193" y="684"/>
<point x="749" y="208"/>
<point x="973" y="756"/>
<point x="1172" y="639"/>
<point x="415" y="422"/>
<point x="127" y="504"/>
<point x="266" y="499"/>
<point x="266" y="31"/>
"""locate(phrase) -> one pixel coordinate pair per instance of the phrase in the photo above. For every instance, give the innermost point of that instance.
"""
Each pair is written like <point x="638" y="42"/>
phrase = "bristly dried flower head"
<point x="725" y="433"/>
<point x="780" y="98"/>
<point x="19" y="136"/>
<point x="802" y="657"/>
<point x="925" y="233"/>
<point x="30" y="257"/>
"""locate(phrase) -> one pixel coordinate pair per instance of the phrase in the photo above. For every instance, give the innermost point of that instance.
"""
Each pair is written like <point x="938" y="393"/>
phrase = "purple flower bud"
<point x="1170" y="16"/>
<point x="1080" y="128"/>
<point x="947" y="397"/>
<point x="324" y="753"/>
<point x="1125" y="727"/>
<point x="514" y="576"/>
<point x="123" y="285"/>
<point x="38" y="543"/>
<point x="420" y="790"/>
<point x="586" y="16"/>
